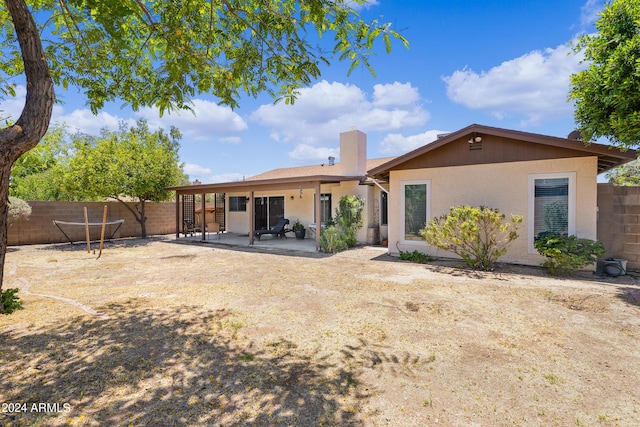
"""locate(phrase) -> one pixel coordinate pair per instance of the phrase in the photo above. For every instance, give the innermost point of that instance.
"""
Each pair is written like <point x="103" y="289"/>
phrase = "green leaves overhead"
<point x="607" y="93"/>
<point x="162" y="53"/>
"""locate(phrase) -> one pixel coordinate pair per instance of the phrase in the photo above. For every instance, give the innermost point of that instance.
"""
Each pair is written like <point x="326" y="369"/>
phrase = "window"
<point x="384" y="208"/>
<point x="551" y="205"/>
<point x="237" y="204"/>
<point x="325" y="207"/>
<point x="415" y="209"/>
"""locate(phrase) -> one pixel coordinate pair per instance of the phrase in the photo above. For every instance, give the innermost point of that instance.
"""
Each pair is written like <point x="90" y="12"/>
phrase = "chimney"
<point x="353" y="153"/>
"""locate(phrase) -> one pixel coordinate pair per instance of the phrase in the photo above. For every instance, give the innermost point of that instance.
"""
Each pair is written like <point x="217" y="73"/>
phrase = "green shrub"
<point x="478" y="235"/>
<point x="10" y="301"/>
<point x="566" y="254"/>
<point x="348" y="221"/>
<point x="332" y="240"/>
<point x="415" y="256"/>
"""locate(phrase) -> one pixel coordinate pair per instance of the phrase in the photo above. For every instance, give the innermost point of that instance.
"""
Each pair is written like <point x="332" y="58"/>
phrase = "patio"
<point x="228" y="239"/>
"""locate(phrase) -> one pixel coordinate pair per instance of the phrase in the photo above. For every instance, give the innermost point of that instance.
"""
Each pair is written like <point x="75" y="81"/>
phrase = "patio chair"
<point x="190" y="228"/>
<point x="278" y="230"/>
<point x="214" y="227"/>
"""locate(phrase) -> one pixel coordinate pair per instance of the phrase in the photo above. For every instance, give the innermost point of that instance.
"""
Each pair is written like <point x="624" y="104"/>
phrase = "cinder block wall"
<point x="39" y="228"/>
<point x="619" y="222"/>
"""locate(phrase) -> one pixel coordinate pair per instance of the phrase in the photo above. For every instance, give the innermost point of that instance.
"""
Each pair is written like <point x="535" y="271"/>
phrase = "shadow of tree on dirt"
<point x="178" y="367"/>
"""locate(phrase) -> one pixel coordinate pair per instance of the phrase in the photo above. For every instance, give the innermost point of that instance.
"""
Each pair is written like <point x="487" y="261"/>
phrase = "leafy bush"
<point x="478" y="235"/>
<point x="10" y="301"/>
<point x="415" y="256"/>
<point x="566" y="254"/>
<point x="349" y="218"/>
<point x="18" y="209"/>
<point x="332" y="240"/>
<point x="348" y="221"/>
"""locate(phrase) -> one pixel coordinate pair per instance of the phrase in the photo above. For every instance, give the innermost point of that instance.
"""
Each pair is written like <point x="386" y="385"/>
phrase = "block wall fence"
<point x="619" y="222"/>
<point x="39" y="228"/>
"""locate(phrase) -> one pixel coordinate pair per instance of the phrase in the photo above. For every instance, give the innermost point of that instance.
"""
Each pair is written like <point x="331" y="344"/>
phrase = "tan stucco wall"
<point x="504" y="186"/>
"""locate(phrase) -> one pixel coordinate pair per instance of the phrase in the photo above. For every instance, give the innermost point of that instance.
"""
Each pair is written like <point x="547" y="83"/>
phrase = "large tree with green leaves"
<point x="127" y="165"/>
<point x="163" y="52"/>
<point x="39" y="173"/>
<point x="607" y="93"/>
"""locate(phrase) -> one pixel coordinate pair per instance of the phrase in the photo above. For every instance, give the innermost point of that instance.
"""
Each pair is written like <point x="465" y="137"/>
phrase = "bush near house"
<point x="478" y="235"/>
<point x="566" y="254"/>
<point x="342" y="233"/>
<point x="18" y="209"/>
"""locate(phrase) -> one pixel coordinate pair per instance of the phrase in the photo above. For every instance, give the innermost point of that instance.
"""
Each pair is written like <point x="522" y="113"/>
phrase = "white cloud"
<point x="85" y="121"/>
<point x="533" y="86"/>
<point x="192" y="169"/>
<point x="399" y="94"/>
<point x="589" y="12"/>
<point x="224" y="177"/>
<point x="307" y="154"/>
<point x="395" y="144"/>
<point x="324" y="110"/>
<point x="359" y="6"/>
<point x="207" y="120"/>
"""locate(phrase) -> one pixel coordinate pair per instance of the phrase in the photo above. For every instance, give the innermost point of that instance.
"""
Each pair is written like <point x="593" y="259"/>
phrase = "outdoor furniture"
<point x="214" y="227"/>
<point x="312" y="228"/>
<point x="278" y="230"/>
<point x="190" y="228"/>
<point x="58" y="223"/>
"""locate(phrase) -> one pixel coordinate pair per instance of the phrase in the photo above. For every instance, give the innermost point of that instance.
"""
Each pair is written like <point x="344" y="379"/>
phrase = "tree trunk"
<point x="34" y="121"/>
<point x="138" y="214"/>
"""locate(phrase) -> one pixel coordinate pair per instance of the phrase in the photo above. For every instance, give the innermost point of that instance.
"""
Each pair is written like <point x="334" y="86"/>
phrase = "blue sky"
<point x="500" y="63"/>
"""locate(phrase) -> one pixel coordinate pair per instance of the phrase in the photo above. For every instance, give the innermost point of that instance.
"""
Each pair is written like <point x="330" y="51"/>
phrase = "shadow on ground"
<point x="178" y="367"/>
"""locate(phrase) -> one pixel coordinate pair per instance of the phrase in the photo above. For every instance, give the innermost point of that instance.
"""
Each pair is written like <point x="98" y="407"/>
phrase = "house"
<point x="550" y="181"/>
<point x="309" y="194"/>
<point x="516" y="172"/>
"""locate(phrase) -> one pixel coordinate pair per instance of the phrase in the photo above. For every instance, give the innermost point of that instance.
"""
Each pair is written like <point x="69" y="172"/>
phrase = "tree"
<point x="607" y="93"/>
<point x="163" y="52"/>
<point x="628" y="174"/>
<point x="39" y="173"/>
<point x="127" y="164"/>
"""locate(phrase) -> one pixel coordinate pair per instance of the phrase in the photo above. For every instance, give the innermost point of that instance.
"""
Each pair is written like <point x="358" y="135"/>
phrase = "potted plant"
<point x="299" y="229"/>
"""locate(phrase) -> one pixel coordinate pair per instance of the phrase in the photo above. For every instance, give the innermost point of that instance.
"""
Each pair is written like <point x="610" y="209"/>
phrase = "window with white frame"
<point x="552" y="205"/>
<point x="415" y="209"/>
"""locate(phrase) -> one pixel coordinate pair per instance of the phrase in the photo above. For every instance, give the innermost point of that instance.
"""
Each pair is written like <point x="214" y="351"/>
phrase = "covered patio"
<point x="250" y="188"/>
<point x="240" y="240"/>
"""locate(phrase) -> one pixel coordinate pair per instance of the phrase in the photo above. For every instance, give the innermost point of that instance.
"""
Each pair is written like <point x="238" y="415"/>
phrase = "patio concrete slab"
<point x="242" y="240"/>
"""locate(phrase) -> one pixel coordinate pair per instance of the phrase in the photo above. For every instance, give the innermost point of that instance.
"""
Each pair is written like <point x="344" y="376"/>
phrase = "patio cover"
<point x="260" y="185"/>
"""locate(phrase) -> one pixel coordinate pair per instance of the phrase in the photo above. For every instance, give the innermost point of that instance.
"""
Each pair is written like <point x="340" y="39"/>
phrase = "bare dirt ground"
<point x="158" y="333"/>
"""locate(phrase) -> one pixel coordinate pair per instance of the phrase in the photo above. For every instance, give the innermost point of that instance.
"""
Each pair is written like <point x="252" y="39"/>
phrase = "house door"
<point x="269" y="210"/>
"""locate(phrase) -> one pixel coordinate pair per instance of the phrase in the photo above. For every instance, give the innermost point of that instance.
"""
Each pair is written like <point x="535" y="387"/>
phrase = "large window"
<point x="415" y="209"/>
<point x="237" y="204"/>
<point x="551" y="205"/>
<point x="325" y="207"/>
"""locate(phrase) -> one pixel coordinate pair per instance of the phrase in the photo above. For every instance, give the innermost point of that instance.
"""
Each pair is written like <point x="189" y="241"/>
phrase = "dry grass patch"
<point x="191" y="335"/>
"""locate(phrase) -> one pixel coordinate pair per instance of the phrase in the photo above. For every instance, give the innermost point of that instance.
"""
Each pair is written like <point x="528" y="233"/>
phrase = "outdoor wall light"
<point x="291" y="197"/>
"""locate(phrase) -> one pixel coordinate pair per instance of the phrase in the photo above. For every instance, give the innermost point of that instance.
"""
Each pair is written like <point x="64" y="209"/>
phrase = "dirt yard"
<point x="159" y="333"/>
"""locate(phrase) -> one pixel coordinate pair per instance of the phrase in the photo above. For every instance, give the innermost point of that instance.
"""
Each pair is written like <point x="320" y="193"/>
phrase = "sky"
<point x="499" y="63"/>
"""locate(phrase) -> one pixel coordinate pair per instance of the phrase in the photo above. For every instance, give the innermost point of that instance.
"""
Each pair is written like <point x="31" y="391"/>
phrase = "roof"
<point x="313" y="170"/>
<point x="538" y="147"/>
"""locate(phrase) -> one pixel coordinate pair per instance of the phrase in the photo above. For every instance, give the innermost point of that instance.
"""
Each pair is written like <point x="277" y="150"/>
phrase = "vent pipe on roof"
<point x="332" y="160"/>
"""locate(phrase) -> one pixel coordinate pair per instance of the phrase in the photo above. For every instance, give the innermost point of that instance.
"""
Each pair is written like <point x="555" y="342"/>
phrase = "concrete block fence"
<point x="39" y="228"/>
<point x="619" y="222"/>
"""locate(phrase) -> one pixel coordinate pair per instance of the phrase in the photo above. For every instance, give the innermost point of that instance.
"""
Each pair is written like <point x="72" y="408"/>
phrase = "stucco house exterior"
<point x="515" y="172"/>
<point x="540" y="177"/>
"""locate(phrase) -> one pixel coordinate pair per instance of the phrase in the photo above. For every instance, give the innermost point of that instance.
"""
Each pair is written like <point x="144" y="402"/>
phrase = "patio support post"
<point x="177" y="215"/>
<point x="318" y="216"/>
<point x="203" y="218"/>
<point x="252" y="213"/>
